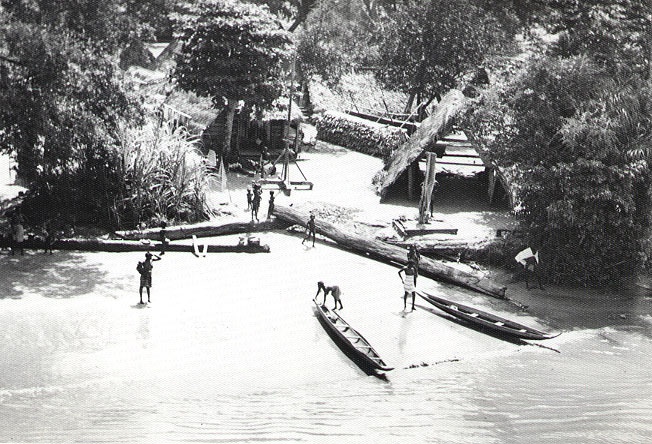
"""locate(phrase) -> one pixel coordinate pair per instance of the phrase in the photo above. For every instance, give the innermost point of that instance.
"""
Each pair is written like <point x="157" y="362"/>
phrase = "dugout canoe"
<point x="484" y="319"/>
<point x="358" y="348"/>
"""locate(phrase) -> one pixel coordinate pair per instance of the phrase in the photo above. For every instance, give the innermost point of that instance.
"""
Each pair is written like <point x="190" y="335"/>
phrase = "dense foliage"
<point x="427" y="46"/>
<point x="581" y="142"/>
<point x="231" y="52"/>
<point x="64" y="105"/>
<point x="165" y="177"/>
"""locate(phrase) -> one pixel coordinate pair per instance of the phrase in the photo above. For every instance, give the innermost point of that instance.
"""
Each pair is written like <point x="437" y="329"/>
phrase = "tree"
<point x="108" y="23"/>
<point x="336" y="38"/>
<point x="581" y="142"/>
<point x="61" y="105"/>
<point x="231" y="51"/>
<point x="427" y="46"/>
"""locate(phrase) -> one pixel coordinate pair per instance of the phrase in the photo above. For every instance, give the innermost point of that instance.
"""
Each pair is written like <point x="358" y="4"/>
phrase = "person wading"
<point x="334" y="290"/>
<point x="310" y="230"/>
<point x="145" y="270"/>
<point x="409" y="283"/>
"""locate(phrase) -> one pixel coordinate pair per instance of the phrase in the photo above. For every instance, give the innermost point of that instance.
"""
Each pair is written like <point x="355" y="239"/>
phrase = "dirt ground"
<point x="343" y="193"/>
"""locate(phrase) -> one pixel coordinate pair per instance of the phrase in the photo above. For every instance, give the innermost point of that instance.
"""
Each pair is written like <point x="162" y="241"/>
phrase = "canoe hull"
<point x="486" y="320"/>
<point x="363" y="360"/>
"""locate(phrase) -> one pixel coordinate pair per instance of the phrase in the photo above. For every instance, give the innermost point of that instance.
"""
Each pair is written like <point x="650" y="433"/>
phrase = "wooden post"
<point x="411" y="179"/>
<point x="427" y="188"/>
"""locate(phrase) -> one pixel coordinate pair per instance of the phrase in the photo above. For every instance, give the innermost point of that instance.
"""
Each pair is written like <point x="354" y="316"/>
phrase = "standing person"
<point x="255" y="204"/>
<point x="48" y="234"/>
<point x="532" y="270"/>
<point x="334" y="290"/>
<point x="270" y="209"/>
<point x="249" y="198"/>
<point x="414" y="256"/>
<point x="145" y="270"/>
<point x="530" y="261"/>
<point x="310" y="230"/>
<point x="18" y="234"/>
<point x="409" y="283"/>
<point x="162" y="237"/>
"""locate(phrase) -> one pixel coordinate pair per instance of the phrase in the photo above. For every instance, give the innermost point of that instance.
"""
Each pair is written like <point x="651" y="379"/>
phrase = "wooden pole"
<point x="427" y="188"/>
<point x="392" y="254"/>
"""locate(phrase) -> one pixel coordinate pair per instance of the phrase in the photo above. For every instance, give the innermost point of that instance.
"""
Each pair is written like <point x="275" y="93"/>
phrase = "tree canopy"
<point x="231" y="52"/>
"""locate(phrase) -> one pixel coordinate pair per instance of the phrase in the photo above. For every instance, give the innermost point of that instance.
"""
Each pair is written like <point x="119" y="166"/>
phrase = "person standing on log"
<point x="414" y="257"/>
<point x="145" y="270"/>
<point x="270" y="209"/>
<point x="162" y="238"/>
<point x="334" y="290"/>
<point x="310" y="230"/>
<point x="409" y="283"/>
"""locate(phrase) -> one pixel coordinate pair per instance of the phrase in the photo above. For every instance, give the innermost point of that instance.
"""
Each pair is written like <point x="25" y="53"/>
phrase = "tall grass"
<point x="165" y="177"/>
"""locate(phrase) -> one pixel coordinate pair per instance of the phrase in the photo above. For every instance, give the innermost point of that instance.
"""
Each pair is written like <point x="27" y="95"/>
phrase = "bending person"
<point x="334" y="290"/>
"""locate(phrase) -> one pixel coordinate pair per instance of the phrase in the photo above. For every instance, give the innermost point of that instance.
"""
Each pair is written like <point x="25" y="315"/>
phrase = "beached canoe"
<point x="355" y="344"/>
<point x="484" y="319"/>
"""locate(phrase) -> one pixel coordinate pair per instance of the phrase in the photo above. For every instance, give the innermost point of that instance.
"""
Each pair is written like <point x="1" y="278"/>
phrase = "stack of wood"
<point x="359" y="134"/>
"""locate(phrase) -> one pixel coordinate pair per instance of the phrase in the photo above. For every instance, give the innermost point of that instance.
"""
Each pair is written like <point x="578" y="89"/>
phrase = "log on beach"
<point x="204" y="229"/>
<point x="120" y="246"/>
<point x="392" y="254"/>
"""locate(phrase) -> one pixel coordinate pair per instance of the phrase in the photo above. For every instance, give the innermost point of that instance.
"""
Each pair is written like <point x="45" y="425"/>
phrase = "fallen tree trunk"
<point x="120" y="246"/>
<point x="204" y="229"/>
<point x="431" y="129"/>
<point x="390" y="253"/>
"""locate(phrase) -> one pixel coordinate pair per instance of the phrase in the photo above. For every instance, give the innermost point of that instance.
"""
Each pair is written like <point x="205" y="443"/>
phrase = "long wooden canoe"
<point x="484" y="319"/>
<point x="358" y="347"/>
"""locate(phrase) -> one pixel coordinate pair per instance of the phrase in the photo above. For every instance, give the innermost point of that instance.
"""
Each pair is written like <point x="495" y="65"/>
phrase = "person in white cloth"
<point x="409" y="283"/>
<point x="530" y="261"/>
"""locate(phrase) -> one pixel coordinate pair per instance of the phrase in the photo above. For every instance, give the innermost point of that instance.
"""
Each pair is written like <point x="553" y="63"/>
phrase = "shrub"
<point x="359" y="134"/>
<point x="165" y="177"/>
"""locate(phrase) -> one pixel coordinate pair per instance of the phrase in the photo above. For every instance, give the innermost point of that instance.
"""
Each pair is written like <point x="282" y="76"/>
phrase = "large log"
<point x="205" y="229"/>
<point x="393" y="254"/>
<point x="119" y="246"/>
<point x="431" y="129"/>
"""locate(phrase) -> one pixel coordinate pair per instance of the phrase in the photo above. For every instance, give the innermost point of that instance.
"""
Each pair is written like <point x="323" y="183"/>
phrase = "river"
<point x="230" y="350"/>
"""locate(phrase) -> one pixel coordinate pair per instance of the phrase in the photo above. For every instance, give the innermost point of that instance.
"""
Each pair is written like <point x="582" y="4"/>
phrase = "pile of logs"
<point x="359" y="134"/>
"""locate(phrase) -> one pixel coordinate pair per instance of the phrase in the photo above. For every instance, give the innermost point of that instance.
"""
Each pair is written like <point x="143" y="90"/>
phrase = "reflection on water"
<point x="194" y="368"/>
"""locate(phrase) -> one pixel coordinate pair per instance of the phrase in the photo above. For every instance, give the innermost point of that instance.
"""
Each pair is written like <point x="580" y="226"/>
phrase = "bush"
<point x="165" y="178"/>
<point x="359" y="134"/>
<point x="581" y="142"/>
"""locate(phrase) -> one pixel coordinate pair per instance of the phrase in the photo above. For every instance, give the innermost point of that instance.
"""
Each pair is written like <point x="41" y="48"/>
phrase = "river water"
<point x="230" y="350"/>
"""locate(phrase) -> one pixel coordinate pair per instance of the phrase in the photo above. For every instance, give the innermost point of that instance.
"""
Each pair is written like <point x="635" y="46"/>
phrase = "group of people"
<point x="254" y="197"/>
<point x="18" y="233"/>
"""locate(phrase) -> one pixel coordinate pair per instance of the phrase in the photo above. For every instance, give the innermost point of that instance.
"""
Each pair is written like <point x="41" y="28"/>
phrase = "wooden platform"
<point x="412" y="228"/>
